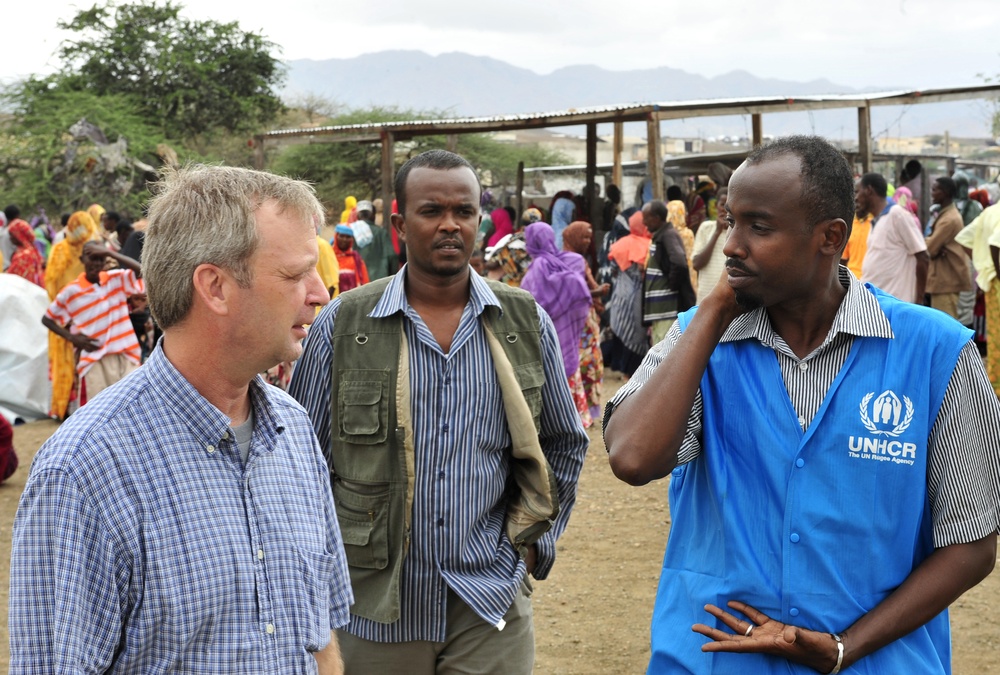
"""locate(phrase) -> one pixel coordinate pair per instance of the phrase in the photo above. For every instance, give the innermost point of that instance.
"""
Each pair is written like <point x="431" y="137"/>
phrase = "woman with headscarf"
<point x="65" y="266"/>
<point x="502" y="226"/>
<point x="26" y="262"/>
<point x="677" y="216"/>
<point x="557" y="280"/>
<point x="563" y="208"/>
<point x="349" y="204"/>
<point x="628" y="256"/>
<point x="577" y="238"/>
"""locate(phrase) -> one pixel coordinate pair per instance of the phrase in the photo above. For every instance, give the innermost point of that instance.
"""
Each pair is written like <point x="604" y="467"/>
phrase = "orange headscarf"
<point x="633" y="248"/>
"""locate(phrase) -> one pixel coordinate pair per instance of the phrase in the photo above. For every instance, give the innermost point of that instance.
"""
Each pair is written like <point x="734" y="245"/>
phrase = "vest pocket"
<point x="364" y="526"/>
<point x="363" y="411"/>
<point x="531" y="378"/>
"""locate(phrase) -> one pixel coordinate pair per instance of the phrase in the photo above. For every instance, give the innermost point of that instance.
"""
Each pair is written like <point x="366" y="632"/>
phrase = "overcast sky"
<point x="857" y="43"/>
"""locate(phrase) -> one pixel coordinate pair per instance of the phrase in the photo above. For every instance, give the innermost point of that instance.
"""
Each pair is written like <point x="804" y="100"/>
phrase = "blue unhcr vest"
<point x="812" y="528"/>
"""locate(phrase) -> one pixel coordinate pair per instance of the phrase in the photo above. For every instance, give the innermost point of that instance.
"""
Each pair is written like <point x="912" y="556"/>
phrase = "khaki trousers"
<point x="946" y="302"/>
<point x="471" y="646"/>
<point x="106" y="372"/>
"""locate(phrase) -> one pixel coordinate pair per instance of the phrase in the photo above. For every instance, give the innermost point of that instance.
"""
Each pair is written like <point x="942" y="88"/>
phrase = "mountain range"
<point x="458" y="84"/>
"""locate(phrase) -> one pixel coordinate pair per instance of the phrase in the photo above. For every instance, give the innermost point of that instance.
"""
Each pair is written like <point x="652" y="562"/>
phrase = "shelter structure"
<point x="387" y="134"/>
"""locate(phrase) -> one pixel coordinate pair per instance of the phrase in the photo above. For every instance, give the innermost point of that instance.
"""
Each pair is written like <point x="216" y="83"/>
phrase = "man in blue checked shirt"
<point x="182" y="522"/>
<point x="453" y="442"/>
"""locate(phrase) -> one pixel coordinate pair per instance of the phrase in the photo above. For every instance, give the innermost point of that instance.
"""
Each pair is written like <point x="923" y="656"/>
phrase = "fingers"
<point x="752" y="613"/>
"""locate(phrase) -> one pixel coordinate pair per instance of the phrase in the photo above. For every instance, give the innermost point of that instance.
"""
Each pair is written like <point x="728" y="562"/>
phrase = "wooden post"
<point x="258" y="152"/>
<point x="590" y="198"/>
<point x="520" y="189"/>
<point x="451" y="143"/>
<point x="388" y="175"/>
<point x="655" y="160"/>
<point x="617" y="174"/>
<point x="865" y="138"/>
<point x="758" y="130"/>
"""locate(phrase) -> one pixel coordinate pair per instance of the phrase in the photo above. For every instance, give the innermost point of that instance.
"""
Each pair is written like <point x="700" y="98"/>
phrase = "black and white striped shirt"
<point x="963" y="473"/>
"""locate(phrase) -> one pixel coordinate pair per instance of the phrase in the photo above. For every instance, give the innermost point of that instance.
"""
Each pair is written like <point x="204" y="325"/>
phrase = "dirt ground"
<point x="592" y="613"/>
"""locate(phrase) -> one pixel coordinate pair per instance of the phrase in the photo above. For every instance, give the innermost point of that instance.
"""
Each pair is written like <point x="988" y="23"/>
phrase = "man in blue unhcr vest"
<point x="833" y="451"/>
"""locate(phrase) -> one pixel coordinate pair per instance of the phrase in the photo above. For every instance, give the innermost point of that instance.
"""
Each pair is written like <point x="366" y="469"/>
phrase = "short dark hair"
<point x="674" y="193"/>
<point x="113" y="216"/>
<point x="658" y="209"/>
<point x="722" y="192"/>
<point x="11" y="212"/>
<point x="948" y="185"/>
<point x="876" y="182"/>
<point x="440" y="160"/>
<point x="827" y="179"/>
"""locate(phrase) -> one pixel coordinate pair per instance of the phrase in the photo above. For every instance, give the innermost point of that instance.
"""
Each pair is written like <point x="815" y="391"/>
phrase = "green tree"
<point x="67" y="149"/>
<point x="187" y="77"/>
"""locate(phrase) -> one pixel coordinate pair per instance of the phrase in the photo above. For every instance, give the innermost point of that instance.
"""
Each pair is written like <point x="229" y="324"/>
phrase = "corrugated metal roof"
<point x="373" y="131"/>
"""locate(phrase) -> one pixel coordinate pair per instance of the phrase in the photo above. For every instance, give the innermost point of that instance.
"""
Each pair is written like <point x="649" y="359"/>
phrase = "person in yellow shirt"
<point x="857" y="244"/>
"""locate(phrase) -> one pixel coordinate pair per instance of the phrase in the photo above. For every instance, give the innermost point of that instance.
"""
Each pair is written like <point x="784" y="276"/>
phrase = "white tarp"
<point x="25" y="390"/>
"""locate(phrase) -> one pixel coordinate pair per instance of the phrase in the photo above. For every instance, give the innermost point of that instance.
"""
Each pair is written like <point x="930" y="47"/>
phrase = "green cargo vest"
<point x="372" y="437"/>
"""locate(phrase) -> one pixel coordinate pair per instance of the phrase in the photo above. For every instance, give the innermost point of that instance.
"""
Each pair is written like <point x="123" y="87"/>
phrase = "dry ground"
<point x="592" y="614"/>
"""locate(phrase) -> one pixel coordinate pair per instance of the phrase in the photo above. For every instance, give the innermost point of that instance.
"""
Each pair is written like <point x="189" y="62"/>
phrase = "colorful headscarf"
<point x="96" y="211"/>
<point x="66" y="254"/>
<point x="349" y="205"/>
<point x="26" y="262"/>
<point x="633" y="248"/>
<point x="574" y="234"/>
<point x="501" y="226"/>
<point x="557" y="280"/>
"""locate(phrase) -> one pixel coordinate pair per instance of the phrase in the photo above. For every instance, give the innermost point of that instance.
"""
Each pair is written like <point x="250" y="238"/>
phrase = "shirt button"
<point x="794" y="611"/>
<point x="225" y="435"/>
<point x="441" y="475"/>
<point x="210" y="449"/>
<point x="269" y="628"/>
<point x="444" y="428"/>
<point x="802" y="421"/>
<point x="260" y="554"/>
<point x="800" y="462"/>
<point x="803" y="366"/>
<point x="440" y="522"/>
<point x="794" y="538"/>
<point x="447" y="379"/>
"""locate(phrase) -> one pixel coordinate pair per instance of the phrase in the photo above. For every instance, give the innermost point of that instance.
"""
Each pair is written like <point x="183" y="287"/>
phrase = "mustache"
<point x="736" y="264"/>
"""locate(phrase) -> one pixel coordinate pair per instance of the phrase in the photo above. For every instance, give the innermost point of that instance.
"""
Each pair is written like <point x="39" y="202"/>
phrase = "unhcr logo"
<point x="886" y="411"/>
<point x="885" y="416"/>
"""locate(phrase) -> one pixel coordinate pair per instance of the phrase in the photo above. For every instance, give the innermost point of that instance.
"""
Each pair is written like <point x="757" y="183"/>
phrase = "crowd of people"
<point x="386" y="504"/>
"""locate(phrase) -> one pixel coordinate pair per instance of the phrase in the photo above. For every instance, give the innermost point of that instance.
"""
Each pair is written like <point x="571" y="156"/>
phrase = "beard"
<point x="747" y="301"/>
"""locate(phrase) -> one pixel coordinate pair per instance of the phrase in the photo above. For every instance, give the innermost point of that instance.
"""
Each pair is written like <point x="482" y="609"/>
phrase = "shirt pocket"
<point x="363" y="410"/>
<point x="315" y="597"/>
<point x="364" y="524"/>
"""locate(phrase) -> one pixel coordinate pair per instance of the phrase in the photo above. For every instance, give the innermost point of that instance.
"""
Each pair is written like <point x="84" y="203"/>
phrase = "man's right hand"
<point x="84" y="343"/>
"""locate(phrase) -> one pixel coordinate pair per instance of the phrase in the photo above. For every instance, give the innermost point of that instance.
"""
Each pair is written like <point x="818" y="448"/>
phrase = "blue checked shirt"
<point x="462" y="462"/>
<point x="142" y="544"/>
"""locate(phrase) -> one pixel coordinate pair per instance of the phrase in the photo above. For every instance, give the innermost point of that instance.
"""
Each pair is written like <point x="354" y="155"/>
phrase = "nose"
<point x="316" y="293"/>
<point x="733" y="247"/>
<point x="449" y="222"/>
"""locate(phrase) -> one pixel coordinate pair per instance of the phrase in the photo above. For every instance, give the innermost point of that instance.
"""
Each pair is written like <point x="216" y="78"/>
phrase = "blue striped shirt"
<point x="143" y="545"/>
<point x="462" y="462"/>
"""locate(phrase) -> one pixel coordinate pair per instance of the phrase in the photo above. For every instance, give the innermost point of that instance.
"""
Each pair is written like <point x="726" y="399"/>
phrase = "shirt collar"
<point x="859" y="314"/>
<point x="207" y="422"/>
<point x="393" y="300"/>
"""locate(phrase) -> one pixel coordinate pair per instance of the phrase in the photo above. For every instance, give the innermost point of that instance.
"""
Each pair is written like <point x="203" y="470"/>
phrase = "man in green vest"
<point x="453" y="443"/>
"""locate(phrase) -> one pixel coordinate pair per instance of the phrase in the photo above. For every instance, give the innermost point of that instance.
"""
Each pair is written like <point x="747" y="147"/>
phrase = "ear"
<point x="834" y="234"/>
<point x="212" y="288"/>
<point x="399" y="223"/>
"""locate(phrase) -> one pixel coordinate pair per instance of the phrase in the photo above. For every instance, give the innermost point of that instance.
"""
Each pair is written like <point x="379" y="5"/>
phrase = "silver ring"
<point x="749" y="630"/>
